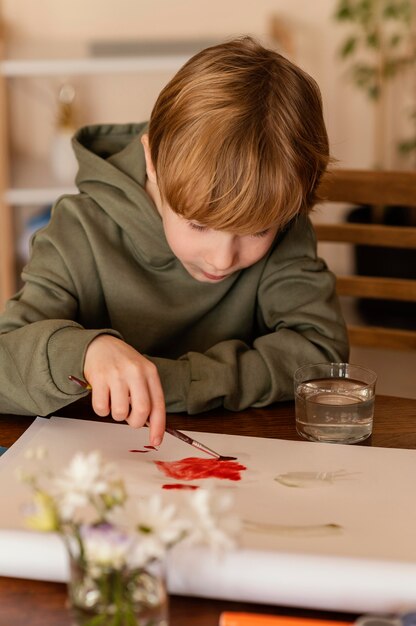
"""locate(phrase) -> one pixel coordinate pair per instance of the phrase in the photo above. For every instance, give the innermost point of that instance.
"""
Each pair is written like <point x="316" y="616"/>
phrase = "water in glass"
<point x="334" y="410"/>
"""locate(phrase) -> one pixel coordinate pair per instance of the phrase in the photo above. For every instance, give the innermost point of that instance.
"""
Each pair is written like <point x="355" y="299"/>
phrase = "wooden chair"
<point x="378" y="189"/>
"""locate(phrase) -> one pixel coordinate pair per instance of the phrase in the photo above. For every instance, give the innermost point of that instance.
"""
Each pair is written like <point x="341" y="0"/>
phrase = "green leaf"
<point x="374" y="92"/>
<point x="373" y="40"/>
<point x="405" y="9"/>
<point x="395" y="39"/>
<point x="365" y="77"/>
<point x="343" y="15"/>
<point x="344" y="11"/>
<point x="406" y="147"/>
<point x="364" y="73"/>
<point x="348" y="47"/>
<point x="366" y="11"/>
<point x="389" y="70"/>
<point x="391" y="10"/>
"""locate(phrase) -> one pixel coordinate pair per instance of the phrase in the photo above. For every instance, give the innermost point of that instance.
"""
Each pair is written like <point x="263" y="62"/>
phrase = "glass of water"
<point x="334" y="402"/>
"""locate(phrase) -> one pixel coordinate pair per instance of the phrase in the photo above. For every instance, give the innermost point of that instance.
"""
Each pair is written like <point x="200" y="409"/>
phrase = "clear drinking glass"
<point x="334" y="402"/>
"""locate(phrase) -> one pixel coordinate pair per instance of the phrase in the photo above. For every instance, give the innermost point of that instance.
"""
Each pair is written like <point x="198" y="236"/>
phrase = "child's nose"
<point x="223" y="254"/>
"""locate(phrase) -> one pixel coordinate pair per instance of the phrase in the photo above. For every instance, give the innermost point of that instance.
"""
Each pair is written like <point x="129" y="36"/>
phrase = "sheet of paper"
<point x="326" y="526"/>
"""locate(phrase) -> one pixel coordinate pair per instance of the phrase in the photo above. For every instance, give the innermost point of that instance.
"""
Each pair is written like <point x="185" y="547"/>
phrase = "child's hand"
<point x="126" y="384"/>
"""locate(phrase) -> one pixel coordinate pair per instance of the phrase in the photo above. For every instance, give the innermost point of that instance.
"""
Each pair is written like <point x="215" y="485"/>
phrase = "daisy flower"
<point x="87" y="480"/>
<point x="212" y="522"/>
<point x="155" y="526"/>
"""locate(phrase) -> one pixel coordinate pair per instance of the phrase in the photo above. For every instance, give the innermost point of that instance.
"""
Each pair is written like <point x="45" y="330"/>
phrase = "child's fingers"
<point x="157" y="417"/>
<point x="132" y="390"/>
<point x="148" y="403"/>
<point x="101" y="399"/>
<point x="120" y="402"/>
<point x="140" y="404"/>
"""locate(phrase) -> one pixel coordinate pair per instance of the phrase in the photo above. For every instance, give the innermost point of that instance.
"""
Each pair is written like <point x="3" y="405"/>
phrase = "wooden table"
<point x="34" y="603"/>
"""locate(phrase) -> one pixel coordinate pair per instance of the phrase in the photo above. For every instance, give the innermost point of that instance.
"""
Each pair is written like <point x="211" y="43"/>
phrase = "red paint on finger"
<point x="151" y="448"/>
<point x="142" y="451"/>
<point x="193" y="468"/>
<point x="179" y="486"/>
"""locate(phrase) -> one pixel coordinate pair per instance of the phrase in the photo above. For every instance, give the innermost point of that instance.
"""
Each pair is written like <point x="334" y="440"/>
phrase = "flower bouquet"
<point x="116" y="546"/>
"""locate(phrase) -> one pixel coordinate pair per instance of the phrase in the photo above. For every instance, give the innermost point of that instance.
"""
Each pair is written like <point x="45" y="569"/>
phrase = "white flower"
<point x="213" y="524"/>
<point x="153" y="517"/>
<point x="145" y="550"/>
<point x="156" y="528"/>
<point x="86" y="478"/>
<point x="105" y="546"/>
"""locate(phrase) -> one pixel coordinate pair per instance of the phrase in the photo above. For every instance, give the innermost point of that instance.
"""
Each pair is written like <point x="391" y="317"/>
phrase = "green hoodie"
<point x="103" y="265"/>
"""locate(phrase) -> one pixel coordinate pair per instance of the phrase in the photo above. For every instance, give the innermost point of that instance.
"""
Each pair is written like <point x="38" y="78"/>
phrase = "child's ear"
<point x="150" y="170"/>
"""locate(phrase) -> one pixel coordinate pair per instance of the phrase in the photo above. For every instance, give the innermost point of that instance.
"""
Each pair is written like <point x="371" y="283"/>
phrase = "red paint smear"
<point x="150" y="448"/>
<point x="193" y="468"/>
<point x="142" y="451"/>
<point x="179" y="486"/>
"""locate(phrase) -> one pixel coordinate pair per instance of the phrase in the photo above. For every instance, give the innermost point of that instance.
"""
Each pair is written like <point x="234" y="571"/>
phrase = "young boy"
<point x="184" y="274"/>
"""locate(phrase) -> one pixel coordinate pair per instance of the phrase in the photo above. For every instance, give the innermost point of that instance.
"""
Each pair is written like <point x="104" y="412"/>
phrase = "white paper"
<point x="365" y="560"/>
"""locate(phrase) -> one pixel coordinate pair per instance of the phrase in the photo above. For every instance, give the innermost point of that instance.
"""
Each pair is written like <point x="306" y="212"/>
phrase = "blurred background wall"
<point x="305" y="30"/>
<point x="314" y="41"/>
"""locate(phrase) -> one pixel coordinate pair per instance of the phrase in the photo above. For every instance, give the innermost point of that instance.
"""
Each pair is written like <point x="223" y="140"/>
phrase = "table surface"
<point x="36" y="603"/>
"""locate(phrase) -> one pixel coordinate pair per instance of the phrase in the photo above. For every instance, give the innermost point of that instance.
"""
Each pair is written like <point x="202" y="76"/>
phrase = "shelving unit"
<point x="7" y="278"/>
<point x="30" y="182"/>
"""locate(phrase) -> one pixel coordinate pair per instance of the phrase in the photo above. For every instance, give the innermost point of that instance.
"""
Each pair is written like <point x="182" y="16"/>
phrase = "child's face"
<point x="209" y="255"/>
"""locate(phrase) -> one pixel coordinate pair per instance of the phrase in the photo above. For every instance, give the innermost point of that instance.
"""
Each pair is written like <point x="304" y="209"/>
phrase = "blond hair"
<point x="238" y="139"/>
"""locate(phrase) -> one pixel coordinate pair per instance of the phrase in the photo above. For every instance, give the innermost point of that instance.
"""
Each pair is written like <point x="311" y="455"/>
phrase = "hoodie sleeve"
<point x="303" y="322"/>
<point x="32" y="379"/>
<point x="40" y="343"/>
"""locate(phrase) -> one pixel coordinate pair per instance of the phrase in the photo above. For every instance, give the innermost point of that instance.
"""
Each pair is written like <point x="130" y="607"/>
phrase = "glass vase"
<point x="108" y="596"/>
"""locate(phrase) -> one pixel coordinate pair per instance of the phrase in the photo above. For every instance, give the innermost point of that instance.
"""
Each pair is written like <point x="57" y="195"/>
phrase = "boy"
<point x="184" y="274"/>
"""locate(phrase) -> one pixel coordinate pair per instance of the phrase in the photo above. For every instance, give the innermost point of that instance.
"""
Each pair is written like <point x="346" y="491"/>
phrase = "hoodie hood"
<point x="112" y="171"/>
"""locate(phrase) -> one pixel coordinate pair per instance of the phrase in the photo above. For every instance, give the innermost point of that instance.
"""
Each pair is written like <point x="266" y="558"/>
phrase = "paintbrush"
<point x="172" y="431"/>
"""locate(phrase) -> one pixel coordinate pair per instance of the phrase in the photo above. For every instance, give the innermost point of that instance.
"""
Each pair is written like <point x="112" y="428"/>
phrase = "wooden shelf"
<point x="66" y="67"/>
<point x="103" y="57"/>
<point x="33" y="183"/>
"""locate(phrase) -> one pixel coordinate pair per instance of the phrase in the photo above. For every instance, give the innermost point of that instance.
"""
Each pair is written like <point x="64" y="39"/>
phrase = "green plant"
<point x="380" y="45"/>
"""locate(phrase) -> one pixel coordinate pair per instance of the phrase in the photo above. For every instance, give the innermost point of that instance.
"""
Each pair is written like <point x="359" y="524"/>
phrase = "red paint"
<point x="143" y="451"/>
<point x="193" y="468"/>
<point x="179" y="486"/>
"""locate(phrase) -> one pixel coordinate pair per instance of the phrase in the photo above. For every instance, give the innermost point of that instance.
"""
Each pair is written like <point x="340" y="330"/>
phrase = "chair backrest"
<point x="382" y="191"/>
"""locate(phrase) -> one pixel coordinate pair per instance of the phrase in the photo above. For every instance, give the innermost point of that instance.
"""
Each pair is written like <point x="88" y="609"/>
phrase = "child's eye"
<point x="262" y="233"/>
<point x="199" y="227"/>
